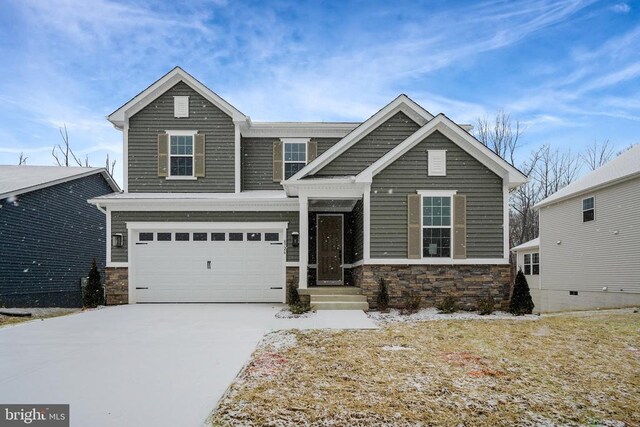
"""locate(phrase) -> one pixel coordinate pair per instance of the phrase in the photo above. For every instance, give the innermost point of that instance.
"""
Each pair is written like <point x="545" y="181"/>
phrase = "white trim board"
<point x="117" y="264"/>
<point x="251" y="129"/>
<point x="178" y="225"/>
<point x="213" y="205"/>
<point x="401" y="103"/>
<point x="436" y="261"/>
<point x="460" y="137"/>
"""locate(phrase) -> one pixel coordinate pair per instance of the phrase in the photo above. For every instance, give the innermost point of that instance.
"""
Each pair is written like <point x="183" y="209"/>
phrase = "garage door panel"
<point x="209" y="271"/>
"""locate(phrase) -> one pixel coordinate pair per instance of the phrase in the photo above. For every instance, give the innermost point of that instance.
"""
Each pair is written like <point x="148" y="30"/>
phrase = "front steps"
<point x="336" y="298"/>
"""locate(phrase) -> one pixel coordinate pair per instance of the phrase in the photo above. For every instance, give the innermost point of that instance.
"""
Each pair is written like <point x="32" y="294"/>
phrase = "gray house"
<point x="588" y="253"/>
<point x="49" y="234"/>
<point x="217" y="207"/>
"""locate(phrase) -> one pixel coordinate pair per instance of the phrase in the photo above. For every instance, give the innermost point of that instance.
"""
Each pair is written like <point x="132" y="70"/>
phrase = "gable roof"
<point x="165" y="83"/>
<point x="15" y="180"/>
<point x="625" y="166"/>
<point x="459" y="136"/>
<point x="401" y="104"/>
<point x="531" y="244"/>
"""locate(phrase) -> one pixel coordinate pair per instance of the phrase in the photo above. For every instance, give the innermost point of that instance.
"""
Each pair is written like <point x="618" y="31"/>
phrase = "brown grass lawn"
<point x="565" y="370"/>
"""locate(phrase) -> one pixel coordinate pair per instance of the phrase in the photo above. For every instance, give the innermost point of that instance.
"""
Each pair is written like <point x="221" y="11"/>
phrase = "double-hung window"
<point x="295" y="158"/>
<point x="181" y="153"/>
<point x="436" y="226"/>
<point x="532" y="264"/>
<point x="588" y="209"/>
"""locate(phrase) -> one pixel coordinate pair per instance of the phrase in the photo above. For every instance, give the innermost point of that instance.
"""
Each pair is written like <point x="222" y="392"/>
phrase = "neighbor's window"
<point x="535" y="263"/>
<point x="181" y="155"/>
<point x="588" y="209"/>
<point x="436" y="227"/>
<point x="295" y="158"/>
<point x="532" y="264"/>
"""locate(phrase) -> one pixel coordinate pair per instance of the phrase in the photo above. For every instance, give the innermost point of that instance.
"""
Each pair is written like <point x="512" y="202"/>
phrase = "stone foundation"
<point x="467" y="283"/>
<point x="116" y="285"/>
<point x="293" y="273"/>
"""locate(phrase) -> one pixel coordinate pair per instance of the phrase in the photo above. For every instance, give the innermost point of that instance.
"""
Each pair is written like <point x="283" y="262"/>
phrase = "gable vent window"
<point x="180" y="106"/>
<point x="437" y="162"/>
<point x="588" y="209"/>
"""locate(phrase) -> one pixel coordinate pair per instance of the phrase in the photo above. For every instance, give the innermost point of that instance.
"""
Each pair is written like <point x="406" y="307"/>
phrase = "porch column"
<point x="304" y="241"/>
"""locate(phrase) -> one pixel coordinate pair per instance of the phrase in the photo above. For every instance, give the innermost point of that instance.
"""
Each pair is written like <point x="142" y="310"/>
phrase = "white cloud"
<point x="621" y="8"/>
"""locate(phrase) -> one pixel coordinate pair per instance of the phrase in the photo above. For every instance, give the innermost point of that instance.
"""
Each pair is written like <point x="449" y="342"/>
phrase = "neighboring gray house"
<point x="589" y="245"/>
<point x="49" y="234"/>
<point x="217" y="207"/>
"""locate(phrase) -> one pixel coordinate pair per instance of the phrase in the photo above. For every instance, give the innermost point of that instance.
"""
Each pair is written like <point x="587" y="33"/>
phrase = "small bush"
<point x="383" y="296"/>
<point x="448" y="305"/>
<point x="486" y="306"/>
<point x="293" y="297"/>
<point x="413" y="301"/>
<point x="93" y="294"/>
<point x="521" y="302"/>
<point x="299" y="308"/>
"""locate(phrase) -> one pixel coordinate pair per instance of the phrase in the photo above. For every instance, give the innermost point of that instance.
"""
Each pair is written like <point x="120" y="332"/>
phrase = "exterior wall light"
<point x="295" y="239"/>
<point x="117" y="240"/>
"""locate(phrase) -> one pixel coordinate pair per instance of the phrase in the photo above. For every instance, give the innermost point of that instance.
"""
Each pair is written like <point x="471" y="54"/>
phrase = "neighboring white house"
<point x="589" y="244"/>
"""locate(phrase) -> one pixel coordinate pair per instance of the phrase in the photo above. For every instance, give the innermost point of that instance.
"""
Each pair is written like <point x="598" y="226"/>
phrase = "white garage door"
<point x="209" y="265"/>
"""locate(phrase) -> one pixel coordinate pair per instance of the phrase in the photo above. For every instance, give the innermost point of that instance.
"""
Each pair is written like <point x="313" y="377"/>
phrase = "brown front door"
<point x="329" y="243"/>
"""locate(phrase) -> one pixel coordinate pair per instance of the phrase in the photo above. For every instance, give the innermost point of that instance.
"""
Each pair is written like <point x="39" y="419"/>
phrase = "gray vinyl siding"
<point x="257" y="161"/>
<point x="204" y="117"/>
<point x="465" y="174"/>
<point x="48" y="239"/>
<point x="120" y="218"/>
<point x="591" y="254"/>
<point x="370" y="148"/>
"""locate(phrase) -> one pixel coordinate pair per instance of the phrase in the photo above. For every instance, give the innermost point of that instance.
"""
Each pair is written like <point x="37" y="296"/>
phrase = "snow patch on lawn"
<point x="396" y="348"/>
<point x="277" y="341"/>
<point x="431" y="314"/>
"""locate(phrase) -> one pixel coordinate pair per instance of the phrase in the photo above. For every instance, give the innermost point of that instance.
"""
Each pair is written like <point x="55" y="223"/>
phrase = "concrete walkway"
<point x="141" y="365"/>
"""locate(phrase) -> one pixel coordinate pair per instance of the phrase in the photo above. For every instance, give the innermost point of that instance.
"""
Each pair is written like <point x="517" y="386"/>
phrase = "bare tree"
<point x="500" y="135"/>
<point x="22" y="160"/>
<point x="64" y="154"/>
<point x="554" y="170"/>
<point x="596" y="154"/>
<point x="110" y="165"/>
<point x="549" y="170"/>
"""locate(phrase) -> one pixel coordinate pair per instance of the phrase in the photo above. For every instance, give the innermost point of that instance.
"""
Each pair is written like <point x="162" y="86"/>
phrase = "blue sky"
<point x="568" y="70"/>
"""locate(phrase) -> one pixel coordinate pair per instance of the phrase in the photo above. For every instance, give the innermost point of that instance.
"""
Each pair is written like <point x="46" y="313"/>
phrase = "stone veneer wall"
<point x="116" y="285"/>
<point x="467" y="283"/>
<point x="293" y="274"/>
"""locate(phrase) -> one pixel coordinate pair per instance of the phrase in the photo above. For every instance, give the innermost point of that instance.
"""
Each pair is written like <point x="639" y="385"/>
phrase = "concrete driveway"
<point x="137" y="365"/>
